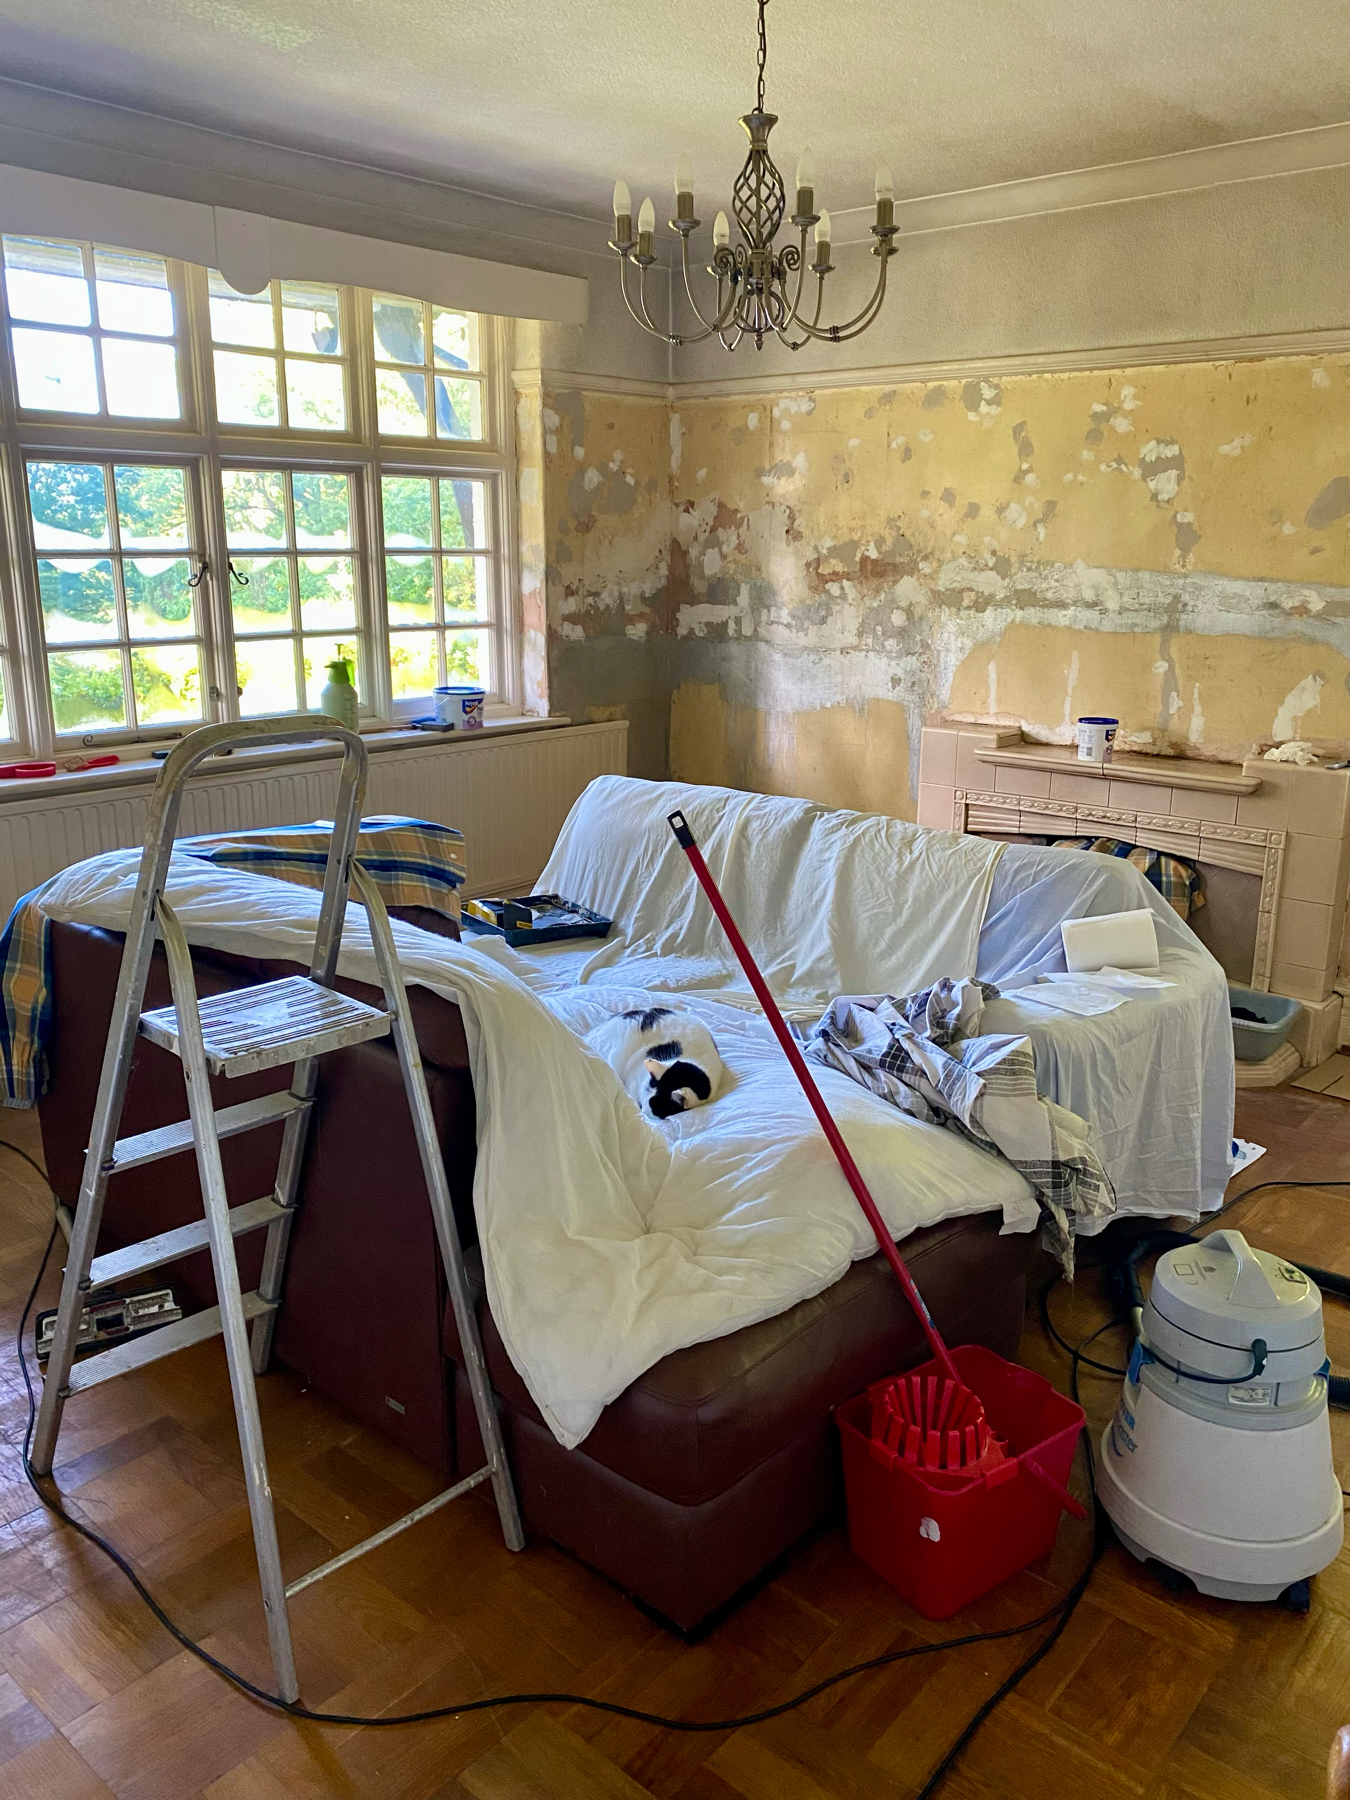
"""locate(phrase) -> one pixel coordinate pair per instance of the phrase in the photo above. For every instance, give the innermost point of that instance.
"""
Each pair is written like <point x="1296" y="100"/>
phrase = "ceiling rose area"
<point x="541" y="102"/>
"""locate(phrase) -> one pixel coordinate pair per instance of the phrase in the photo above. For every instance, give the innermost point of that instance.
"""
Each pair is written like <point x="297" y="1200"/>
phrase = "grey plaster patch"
<point x="1331" y="504"/>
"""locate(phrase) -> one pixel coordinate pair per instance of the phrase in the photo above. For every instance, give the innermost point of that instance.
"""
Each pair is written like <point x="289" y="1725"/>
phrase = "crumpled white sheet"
<point x="608" y="1240"/>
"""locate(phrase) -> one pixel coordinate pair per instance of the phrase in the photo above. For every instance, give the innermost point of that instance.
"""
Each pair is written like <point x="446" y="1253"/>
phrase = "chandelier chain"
<point x="763" y="54"/>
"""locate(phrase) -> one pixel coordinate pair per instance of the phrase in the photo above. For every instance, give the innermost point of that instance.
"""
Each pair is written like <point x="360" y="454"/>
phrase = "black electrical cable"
<point x="1059" y="1615"/>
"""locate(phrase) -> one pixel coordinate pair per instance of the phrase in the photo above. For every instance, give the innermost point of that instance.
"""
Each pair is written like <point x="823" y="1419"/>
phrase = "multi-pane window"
<point x="438" y="579"/>
<point x="216" y="494"/>
<point x="92" y="330"/>
<point x="427" y="372"/>
<point x="115" y="564"/>
<point x="278" y="356"/>
<point x="292" y="571"/>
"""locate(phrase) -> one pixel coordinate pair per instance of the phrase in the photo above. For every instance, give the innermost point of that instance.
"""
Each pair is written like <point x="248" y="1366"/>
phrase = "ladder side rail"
<point x="442" y="1211"/>
<point x="137" y="950"/>
<point x="234" y="1328"/>
<point x="347" y="815"/>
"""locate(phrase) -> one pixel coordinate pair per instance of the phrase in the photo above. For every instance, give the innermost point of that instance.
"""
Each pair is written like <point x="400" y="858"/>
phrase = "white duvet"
<point x="610" y="1240"/>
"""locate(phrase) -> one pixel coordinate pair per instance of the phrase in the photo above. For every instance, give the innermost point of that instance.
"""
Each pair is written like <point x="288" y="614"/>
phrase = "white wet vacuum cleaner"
<point x="1217" y="1465"/>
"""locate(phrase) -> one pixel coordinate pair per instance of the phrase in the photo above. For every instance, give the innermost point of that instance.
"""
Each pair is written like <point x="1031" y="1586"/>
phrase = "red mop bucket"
<point x="956" y="1473"/>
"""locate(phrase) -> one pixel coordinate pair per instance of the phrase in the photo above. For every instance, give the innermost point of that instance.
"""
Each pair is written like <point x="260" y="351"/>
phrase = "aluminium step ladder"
<point x="295" y="1020"/>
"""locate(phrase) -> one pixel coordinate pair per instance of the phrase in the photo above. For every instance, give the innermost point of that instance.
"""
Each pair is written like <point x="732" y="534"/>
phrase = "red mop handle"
<point x="685" y="838"/>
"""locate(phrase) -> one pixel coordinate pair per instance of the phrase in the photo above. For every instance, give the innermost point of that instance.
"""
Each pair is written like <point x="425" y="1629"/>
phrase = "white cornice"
<point x="1216" y="165"/>
<point x="1043" y="362"/>
<point x="563" y="381"/>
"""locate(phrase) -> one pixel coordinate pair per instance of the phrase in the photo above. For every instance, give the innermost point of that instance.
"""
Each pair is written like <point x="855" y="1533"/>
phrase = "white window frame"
<point x="206" y="448"/>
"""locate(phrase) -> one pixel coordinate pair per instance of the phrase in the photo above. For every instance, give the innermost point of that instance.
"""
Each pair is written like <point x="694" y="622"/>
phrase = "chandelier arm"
<point x="851" y="328"/>
<point x="724" y="307"/>
<point x="654" y="328"/>
<point x="793" y="310"/>
<point x="637" y="317"/>
<point x="808" y="326"/>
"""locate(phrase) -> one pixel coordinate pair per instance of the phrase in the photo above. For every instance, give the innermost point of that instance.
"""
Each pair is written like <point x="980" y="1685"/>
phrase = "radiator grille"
<point x="509" y="796"/>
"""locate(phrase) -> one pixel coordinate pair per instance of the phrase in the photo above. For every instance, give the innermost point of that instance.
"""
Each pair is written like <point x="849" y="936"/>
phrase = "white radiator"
<point x="508" y="794"/>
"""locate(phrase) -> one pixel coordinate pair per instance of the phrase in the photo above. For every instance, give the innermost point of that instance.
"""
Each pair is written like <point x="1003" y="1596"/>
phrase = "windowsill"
<point x="139" y="769"/>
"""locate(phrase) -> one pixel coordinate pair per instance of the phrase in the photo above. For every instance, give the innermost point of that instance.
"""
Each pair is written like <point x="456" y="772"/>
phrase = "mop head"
<point x="931" y="1422"/>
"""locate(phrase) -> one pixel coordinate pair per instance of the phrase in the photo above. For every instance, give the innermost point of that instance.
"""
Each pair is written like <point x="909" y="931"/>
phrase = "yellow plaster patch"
<point x="845" y="756"/>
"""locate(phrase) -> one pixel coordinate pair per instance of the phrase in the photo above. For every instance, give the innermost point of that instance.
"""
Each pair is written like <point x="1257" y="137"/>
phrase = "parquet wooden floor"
<point x="1145" y="1695"/>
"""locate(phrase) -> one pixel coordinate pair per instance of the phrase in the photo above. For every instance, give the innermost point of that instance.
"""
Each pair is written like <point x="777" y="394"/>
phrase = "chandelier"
<point x="759" y="289"/>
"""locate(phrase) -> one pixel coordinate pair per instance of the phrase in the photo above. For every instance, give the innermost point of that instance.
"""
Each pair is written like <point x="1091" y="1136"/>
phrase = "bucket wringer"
<point x="955" y="1472"/>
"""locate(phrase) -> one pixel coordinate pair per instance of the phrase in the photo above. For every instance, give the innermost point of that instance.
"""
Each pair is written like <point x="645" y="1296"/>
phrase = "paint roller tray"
<point x="533" y="919"/>
<point x="1255" y="1039"/>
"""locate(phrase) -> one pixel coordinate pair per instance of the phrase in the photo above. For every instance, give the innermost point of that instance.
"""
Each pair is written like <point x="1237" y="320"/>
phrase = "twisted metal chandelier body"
<point x="759" y="289"/>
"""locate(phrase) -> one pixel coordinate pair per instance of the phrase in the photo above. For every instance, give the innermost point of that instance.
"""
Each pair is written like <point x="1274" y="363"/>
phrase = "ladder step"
<point x="136" y="1353"/>
<point x="152" y="1253"/>
<point x="276" y="1022"/>
<point x="168" y="1140"/>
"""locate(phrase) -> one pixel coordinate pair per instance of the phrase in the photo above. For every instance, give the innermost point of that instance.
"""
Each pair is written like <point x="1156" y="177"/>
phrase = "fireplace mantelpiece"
<point x="1286" y="825"/>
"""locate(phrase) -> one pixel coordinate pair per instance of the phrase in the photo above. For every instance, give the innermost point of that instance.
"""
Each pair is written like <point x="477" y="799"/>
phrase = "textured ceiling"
<point x="547" y="100"/>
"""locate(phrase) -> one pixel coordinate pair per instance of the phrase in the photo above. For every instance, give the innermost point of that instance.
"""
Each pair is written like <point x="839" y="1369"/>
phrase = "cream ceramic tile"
<point x="1139" y="796"/>
<point x="1312" y="868"/>
<point x="935" y="806"/>
<point x="937" y="755"/>
<point x="1031" y="784"/>
<point x="1195" y="803"/>
<point x="969" y="772"/>
<point x="1317" y="802"/>
<point x="1303" y="933"/>
<point x="1085" y="790"/>
<point x="1268" y="808"/>
<point x="1298" y="983"/>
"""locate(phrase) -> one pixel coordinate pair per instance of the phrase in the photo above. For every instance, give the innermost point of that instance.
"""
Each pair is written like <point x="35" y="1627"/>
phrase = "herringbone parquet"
<point x="1145" y="1696"/>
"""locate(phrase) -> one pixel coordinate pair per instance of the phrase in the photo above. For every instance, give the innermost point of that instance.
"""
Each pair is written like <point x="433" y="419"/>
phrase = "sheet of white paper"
<point x="1070" y="997"/>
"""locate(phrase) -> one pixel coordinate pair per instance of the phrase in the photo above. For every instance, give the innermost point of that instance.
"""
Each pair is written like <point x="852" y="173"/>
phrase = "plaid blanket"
<point x="414" y="863"/>
<point x="923" y="1054"/>
<point x="1178" y="881"/>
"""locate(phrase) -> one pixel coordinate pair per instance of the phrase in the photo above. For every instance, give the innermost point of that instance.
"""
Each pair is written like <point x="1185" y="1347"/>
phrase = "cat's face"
<point x="668" y="1094"/>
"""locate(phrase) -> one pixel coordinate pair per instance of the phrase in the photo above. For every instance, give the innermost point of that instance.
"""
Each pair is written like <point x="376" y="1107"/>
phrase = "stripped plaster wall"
<point x="1169" y="544"/>
<point x="595" y="522"/>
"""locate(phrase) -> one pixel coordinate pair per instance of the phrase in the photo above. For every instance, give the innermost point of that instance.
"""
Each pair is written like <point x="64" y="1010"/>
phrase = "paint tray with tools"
<point x="533" y="919"/>
<point x="956" y="1472"/>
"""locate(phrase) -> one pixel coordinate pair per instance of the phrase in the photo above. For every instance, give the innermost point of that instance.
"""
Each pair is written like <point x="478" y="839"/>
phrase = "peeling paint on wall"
<point x="1171" y="545"/>
<point x="799" y="580"/>
<point x="595" y="526"/>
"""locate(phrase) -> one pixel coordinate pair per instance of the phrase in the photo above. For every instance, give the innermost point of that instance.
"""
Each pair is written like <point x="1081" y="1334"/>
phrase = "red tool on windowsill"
<point x="931" y="1465"/>
<point x="35" y="771"/>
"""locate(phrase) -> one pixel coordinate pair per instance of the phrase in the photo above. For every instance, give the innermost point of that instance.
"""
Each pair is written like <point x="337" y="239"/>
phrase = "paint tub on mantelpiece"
<point x="460" y="708"/>
<point x="1096" y="739"/>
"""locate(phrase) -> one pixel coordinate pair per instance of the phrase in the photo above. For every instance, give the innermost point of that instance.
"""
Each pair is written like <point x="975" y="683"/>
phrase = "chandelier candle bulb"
<point x="721" y="231"/>
<point x="823" y="241"/>
<point x="646" y="226"/>
<point x="623" y="213"/>
<point x="684" y="176"/>
<point x="885" y="196"/>
<point x="806" y="184"/>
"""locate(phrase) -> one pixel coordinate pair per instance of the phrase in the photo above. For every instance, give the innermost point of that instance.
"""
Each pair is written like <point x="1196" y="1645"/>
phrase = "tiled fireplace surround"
<point x="1287" y="826"/>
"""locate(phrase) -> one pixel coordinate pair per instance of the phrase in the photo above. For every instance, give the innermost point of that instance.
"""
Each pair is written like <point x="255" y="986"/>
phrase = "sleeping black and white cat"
<point x="667" y="1060"/>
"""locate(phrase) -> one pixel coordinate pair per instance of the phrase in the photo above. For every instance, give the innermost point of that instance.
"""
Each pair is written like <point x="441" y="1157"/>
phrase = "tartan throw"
<point x="413" y="862"/>
<point x="923" y="1054"/>
<point x="1178" y="882"/>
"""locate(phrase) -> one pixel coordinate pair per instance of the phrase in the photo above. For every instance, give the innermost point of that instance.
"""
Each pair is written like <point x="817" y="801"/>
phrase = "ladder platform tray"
<point x="276" y="1022"/>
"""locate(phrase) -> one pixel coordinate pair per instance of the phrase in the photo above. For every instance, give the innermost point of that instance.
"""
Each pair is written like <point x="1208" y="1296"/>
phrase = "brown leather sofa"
<point x="693" y="1481"/>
